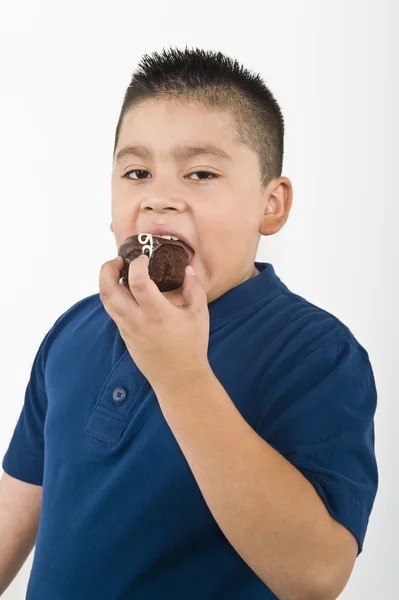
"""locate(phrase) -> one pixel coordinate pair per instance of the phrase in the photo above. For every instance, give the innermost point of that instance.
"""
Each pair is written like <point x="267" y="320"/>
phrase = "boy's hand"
<point x="168" y="343"/>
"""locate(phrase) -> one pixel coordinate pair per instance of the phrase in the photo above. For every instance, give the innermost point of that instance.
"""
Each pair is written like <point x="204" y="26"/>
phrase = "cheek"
<point x="216" y="250"/>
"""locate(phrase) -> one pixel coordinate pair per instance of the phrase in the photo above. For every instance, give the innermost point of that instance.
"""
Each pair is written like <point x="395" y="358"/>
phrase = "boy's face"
<point x="219" y="216"/>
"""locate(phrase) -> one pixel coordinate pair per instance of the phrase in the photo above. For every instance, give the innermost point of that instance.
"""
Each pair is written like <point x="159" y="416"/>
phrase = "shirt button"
<point x="119" y="394"/>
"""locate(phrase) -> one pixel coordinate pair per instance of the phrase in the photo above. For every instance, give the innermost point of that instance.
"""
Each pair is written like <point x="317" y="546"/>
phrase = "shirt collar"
<point x="261" y="287"/>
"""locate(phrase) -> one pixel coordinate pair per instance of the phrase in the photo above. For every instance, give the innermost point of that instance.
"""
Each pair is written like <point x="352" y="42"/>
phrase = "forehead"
<point x="178" y="129"/>
<point x="176" y="110"/>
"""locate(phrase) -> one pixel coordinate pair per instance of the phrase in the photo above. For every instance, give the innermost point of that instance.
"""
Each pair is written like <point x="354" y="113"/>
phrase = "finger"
<point x="144" y="290"/>
<point x="116" y="298"/>
<point x="193" y="291"/>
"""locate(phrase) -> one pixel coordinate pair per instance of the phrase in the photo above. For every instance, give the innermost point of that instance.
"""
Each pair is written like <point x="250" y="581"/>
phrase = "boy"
<point x="215" y="441"/>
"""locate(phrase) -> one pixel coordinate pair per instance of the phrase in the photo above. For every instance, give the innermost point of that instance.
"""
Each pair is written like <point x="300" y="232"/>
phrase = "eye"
<point x="195" y="173"/>
<point x="204" y="173"/>
<point x="135" y="171"/>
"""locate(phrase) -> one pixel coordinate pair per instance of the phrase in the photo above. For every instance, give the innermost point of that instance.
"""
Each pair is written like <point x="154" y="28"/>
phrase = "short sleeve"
<point x="24" y="458"/>
<point x="320" y="417"/>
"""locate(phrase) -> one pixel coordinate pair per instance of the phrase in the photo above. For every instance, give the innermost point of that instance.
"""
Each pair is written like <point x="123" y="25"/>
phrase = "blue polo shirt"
<point x="122" y="516"/>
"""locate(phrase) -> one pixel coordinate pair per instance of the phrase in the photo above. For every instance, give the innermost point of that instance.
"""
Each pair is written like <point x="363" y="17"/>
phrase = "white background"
<point x="333" y="67"/>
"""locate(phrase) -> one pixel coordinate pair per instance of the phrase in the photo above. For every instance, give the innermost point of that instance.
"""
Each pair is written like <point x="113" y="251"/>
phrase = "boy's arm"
<point x="20" y="504"/>
<point x="266" y="508"/>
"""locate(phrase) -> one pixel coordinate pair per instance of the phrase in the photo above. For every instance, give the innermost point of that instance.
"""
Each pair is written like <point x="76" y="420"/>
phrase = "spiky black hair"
<point x="219" y="83"/>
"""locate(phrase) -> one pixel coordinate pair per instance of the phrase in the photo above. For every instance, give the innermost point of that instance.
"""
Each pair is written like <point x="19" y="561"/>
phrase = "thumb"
<point x="190" y="289"/>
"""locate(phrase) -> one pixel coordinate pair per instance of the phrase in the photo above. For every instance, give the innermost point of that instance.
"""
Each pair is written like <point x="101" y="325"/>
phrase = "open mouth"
<point x="190" y="251"/>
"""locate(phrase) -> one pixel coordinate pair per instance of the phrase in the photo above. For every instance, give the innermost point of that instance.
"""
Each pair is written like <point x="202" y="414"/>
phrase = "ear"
<point x="277" y="202"/>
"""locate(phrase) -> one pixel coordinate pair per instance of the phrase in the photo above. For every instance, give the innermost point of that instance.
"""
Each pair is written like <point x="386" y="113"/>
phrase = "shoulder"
<point x="86" y="313"/>
<point x="314" y="327"/>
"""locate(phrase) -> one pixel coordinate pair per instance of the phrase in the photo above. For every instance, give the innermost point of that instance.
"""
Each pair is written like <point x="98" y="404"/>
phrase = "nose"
<point x="163" y="194"/>
<point x="161" y="202"/>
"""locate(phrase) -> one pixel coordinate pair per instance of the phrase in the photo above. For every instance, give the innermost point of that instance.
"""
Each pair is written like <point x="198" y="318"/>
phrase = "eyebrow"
<point x="179" y="152"/>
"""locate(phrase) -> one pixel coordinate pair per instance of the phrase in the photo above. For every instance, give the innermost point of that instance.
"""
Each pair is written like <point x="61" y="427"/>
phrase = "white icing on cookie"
<point x="143" y="239"/>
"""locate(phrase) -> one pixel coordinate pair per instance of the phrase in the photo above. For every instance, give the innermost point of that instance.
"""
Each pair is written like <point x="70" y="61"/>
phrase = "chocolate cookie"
<point x="168" y="259"/>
